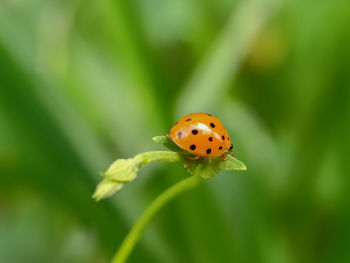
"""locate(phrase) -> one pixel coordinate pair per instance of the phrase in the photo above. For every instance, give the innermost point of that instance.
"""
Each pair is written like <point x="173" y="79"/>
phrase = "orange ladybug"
<point x="202" y="135"/>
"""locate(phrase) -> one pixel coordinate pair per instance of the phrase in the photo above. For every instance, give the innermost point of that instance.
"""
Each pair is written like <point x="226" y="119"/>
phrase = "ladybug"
<point x="201" y="134"/>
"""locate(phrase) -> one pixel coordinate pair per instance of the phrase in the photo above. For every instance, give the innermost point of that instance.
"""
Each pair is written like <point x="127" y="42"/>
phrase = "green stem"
<point x="166" y="196"/>
<point x="154" y="156"/>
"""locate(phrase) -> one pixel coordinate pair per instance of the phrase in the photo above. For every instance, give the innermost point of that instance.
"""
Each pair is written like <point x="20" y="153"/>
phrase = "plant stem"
<point x="156" y="156"/>
<point x="137" y="230"/>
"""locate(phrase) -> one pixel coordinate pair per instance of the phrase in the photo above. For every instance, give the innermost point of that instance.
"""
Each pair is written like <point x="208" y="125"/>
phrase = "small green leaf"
<point x="210" y="167"/>
<point x="205" y="168"/>
<point x="166" y="142"/>
<point x="106" y="188"/>
<point x="232" y="164"/>
<point x="123" y="171"/>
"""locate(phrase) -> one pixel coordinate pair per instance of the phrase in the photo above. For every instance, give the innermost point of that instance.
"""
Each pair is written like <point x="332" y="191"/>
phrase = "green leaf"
<point x="166" y="142"/>
<point x="123" y="171"/>
<point x="210" y="167"/>
<point x="232" y="164"/>
<point x="106" y="188"/>
<point x="207" y="168"/>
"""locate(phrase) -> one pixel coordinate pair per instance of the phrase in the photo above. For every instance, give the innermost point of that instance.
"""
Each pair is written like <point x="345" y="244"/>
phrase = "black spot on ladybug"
<point x="208" y="151"/>
<point x="220" y="148"/>
<point x="223" y="137"/>
<point x="212" y="125"/>
<point x="228" y="138"/>
<point x="211" y="139"/>
<point x="193" y="147"/>
<point x="189" y="119"/>
<point x="231" y="147"/>
<point x="194" y="132"/>
<point x="179" y="134"/>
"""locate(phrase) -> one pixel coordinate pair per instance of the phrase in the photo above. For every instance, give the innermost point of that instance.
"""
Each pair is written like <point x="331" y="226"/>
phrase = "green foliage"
<point x="209" y="168"/>
<point x="83" y="82"/>
<point x="166" y="142"/>
<point x="123" y="171"/>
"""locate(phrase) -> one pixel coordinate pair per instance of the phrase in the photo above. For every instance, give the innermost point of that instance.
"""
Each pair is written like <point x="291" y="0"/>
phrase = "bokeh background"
<point x="83" y="83"/>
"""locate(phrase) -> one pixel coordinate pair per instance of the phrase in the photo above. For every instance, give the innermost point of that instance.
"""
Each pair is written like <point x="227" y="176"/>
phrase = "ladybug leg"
<point x="193" y="157"/>
<point x="224" y="157"/>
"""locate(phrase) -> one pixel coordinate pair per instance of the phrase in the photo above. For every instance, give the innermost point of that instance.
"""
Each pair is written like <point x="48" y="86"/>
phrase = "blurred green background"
<point x="83" y="83"/>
